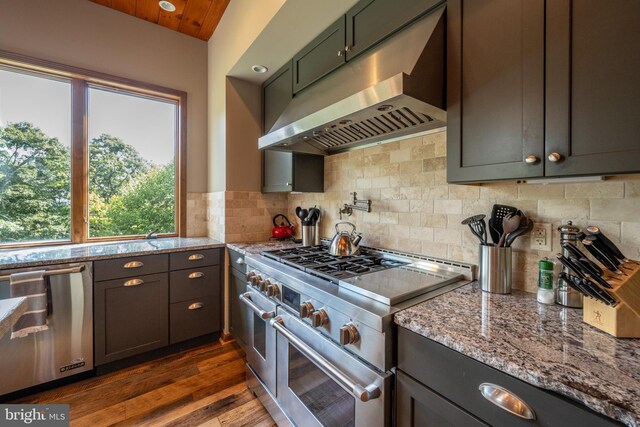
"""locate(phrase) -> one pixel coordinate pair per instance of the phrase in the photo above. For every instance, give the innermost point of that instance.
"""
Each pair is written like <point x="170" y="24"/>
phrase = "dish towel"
<point x="30" y="284"/>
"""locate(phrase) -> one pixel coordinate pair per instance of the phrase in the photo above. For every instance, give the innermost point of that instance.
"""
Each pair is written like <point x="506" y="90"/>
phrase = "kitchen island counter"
<point x="44" y="255"/>
<point x="547" y="346"/>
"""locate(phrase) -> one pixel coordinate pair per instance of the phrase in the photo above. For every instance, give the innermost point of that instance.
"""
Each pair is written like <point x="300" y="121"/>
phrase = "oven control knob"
<point x="273" y="291"/>
<point x="349" y="334"/>
<point x="319" y="318"/>
<point x="306" y="308"/>
<point x="264" y="285"/>
<point x="255" y="280"/>
<point x="251" y="275"/>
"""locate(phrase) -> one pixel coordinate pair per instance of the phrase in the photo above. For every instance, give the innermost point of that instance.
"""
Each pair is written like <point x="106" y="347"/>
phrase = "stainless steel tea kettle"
<point x="345" y="243"/>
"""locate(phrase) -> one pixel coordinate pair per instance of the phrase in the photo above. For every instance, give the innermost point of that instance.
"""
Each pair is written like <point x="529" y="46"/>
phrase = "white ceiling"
<point x="293" y="26"/>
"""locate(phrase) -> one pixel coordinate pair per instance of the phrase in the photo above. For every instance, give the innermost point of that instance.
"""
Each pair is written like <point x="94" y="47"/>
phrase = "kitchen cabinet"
<point x="495" y="89"/>
<point x="136" y="312"/>
<point x="418" y="406"/>
<point x="130" y="316"/>
<point x="284" y="171"/>
<point x="370" y="21"/>
<point x="592" y="87"/>
<point x="542" y="89"/>
<point x="237" y="287"/>
<point x="277" y="92"/>
<point x="456" y="378"/>
<point x="324" y="54"/>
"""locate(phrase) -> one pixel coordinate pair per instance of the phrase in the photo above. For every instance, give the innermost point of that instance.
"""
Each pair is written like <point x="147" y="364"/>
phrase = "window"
<point x="85" y="156"/>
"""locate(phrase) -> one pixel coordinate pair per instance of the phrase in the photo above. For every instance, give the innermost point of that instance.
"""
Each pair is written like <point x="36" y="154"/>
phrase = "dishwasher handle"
<point x="360" y="392"/>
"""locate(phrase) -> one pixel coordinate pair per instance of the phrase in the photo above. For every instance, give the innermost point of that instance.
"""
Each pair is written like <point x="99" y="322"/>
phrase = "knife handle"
<point x="567" y="263"/>
<point x="606" y="242"/>
<point x="599" y="244"/>
<point x="585" y="267"/>
<point x="602" y="295"/>
<point x="593" y="250"/>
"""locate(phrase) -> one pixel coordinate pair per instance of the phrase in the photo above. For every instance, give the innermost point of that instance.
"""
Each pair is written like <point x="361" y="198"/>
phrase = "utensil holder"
<point x="623" y="320"/>
<point x="495" y="269"/>
<point x="309" y="235"/>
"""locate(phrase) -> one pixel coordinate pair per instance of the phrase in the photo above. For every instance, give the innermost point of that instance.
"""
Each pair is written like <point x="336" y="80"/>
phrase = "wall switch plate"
<point x="541" y="237"/>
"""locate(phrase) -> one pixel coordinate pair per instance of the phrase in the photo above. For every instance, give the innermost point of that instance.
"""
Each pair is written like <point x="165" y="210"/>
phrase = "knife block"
<point x="623" y="320"/>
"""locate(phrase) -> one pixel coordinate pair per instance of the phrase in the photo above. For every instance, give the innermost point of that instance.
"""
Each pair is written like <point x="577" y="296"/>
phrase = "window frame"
<point x="81" y="79"/>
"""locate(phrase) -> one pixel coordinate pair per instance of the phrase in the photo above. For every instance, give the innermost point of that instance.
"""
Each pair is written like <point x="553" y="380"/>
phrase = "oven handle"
<point x="246" y="298"/>
<point x="363" y="393"/>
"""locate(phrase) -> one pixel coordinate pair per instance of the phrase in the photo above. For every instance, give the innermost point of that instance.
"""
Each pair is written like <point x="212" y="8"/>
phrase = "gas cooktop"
<point x="316" y="260"/>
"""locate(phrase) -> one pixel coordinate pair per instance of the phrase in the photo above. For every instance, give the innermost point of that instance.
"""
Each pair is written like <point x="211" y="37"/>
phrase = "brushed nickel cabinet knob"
<point x="555" y="157"/>
<point x="530" y="160"/>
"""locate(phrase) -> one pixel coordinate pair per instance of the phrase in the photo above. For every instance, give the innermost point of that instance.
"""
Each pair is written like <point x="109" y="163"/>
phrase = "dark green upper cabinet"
<point x="593" y="87"/>
<point x="495" y="89"/>
<point x="370" y="21"/>
<point x="285" y="172"/>
<point x="277" y="92"/>
<point x="323" y="55"/>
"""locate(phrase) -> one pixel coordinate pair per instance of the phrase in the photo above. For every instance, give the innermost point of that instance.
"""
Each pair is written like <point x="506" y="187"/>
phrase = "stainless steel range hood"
<point x="395" y="90"/>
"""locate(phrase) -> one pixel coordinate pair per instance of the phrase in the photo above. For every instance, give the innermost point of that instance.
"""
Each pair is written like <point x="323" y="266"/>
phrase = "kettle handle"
<point x="353" y="227"/>
<point x="285" y="218"/>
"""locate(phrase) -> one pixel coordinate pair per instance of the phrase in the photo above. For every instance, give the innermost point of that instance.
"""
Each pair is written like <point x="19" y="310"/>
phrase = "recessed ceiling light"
<point x="259" y="68"/>
<point x="167" y="5"/>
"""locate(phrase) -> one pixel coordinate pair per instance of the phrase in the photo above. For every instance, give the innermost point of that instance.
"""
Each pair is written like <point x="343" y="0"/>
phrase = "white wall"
<point x="84" y="34"/>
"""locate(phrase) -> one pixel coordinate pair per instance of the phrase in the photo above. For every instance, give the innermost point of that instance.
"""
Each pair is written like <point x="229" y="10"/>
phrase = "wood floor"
<point x="199" y="387"/>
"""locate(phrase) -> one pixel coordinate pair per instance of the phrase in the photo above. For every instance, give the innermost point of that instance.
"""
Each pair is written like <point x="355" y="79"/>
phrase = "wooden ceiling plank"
<point x="214" y="14"/>
<point x="172" y="19"/>
<point x="126" y="6"/>
<point x="149" y="10"/>
<point x="193" y="16"/>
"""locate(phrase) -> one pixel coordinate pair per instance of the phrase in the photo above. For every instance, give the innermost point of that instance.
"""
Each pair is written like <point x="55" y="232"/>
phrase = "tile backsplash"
<point x="414" y="209"/>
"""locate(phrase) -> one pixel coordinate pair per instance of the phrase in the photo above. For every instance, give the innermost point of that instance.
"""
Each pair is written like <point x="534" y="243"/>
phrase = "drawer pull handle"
<point x="504" y="399"/>
<point x="196" y="275"/>
<point x="196" y="257"/>
<point x="134" y="282"/>
<point x="196" y="306"/>
<point x="134" y="264"/>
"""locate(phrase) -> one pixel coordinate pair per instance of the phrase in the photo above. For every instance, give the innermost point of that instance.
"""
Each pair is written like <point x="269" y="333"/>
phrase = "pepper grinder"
<point x="565" y="294"/>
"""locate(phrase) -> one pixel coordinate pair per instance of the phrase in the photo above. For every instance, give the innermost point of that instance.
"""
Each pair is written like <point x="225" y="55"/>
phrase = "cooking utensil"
<point x="510" y="223"/>
<point x="497" y="215"/>
<point x="282" y="231"/>
<point x="601" y="294"/>
<point x="573" y="249"/>
<point x="567" y="263"/>
<point x="525" y="227"/>
<point x="477" y="226"/>
<point x="345" y="243"/>
<point x="570" y="280"/>
<point x="595" y="241"/>
<point x="595" y="231"/>
<point x="588" y="271"/>
<point x="600" y="256"/>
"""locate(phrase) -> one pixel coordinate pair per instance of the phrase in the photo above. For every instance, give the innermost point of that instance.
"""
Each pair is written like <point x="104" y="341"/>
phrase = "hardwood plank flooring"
<point x="204" y="386"/>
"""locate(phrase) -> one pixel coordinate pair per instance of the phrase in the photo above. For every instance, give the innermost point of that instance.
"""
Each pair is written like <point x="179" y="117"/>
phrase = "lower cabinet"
<point x="439" y="386"/>
<point x="419" y="406"/>
<point x="136" y="314"/>
<point x="130" y="316"/>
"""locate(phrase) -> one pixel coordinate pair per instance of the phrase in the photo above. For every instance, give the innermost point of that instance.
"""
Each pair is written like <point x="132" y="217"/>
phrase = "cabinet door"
<point x="593" y="88"/>
<point x="237" y="286"/>
<point x="495" y="83"/>
<point x="418" y="406"/>
<point x="370" y="21"/>
<point x="131" y="316"/>
<point x="323" y="55"/>
<point x="277" y="92"/>
<point x="277" y="171"/>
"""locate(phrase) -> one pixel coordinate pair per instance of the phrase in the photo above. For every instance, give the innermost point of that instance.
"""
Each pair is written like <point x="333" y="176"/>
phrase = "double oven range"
<point x="320" y="332"/>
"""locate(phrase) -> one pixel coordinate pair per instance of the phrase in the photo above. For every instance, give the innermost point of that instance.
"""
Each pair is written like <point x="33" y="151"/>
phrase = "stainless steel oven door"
<point x="261" y="338"/>
<point x="319" y="384"/>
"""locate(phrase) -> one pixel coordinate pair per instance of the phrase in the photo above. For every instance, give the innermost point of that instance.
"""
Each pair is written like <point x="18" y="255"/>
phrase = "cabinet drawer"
<point x="130" y="266"/>
<point x="457" y="378"/>
<point x="193" y="318"/>
<point x="193" y="259"/>
<point x="130" y="316"/>
<point x="193" y="283"/>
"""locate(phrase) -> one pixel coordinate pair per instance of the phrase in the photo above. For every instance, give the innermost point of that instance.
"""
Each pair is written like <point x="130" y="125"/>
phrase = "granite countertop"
<point x="18" y="258"/>
<point x="544" y="345"/>
<point x="255" y="248"/>
<point x="10" y="311"/>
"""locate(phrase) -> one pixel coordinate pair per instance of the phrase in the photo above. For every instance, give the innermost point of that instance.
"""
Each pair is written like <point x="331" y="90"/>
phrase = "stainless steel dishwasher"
<point x="66" y="347"/>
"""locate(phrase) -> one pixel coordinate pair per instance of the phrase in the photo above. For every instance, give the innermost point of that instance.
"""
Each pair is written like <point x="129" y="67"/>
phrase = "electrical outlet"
<point x="541" y="237"/>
